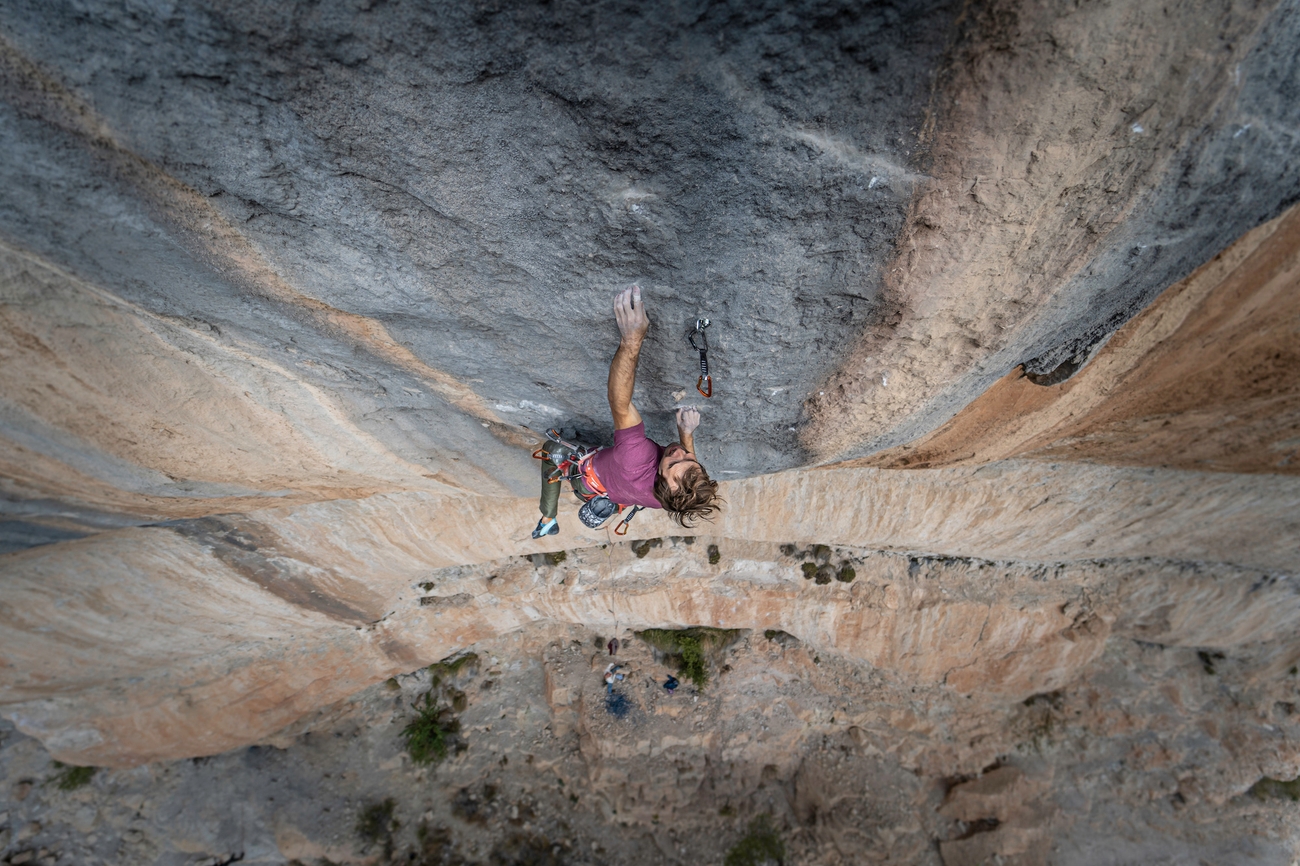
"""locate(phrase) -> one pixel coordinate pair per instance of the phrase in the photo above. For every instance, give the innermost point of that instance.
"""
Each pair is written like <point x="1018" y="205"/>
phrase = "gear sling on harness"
<point x="573" y="464"/>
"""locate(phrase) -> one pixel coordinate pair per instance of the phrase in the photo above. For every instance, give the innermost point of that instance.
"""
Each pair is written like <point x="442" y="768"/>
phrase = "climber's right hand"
<point x="629" y="312"/>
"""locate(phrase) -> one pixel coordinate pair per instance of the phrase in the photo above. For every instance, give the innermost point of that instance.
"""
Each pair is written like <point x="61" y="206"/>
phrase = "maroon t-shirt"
<point x="629" y="468"/>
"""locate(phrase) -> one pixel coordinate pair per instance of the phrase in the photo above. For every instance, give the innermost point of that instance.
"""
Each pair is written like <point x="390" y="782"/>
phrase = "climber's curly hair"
<point x="697" y="498"/>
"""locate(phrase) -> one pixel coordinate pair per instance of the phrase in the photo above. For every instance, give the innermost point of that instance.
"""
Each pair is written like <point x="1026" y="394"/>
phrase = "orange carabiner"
<point x="703" y="381"/>
<point x="621" y="529"/>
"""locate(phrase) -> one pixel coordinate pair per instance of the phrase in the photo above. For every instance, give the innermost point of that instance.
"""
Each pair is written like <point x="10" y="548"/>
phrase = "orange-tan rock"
<point x="1204" y="379"/>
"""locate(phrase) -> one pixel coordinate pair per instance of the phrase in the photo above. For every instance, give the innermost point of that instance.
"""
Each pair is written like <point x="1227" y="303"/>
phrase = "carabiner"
<point x="621" y="529"/>
<point x="703" y="348"/>
<point x="698" y="331"/>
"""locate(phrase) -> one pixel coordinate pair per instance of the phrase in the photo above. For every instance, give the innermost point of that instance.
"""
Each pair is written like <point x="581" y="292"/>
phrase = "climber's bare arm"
<point x="629" y="312"/>
<point x="687" y="420"/>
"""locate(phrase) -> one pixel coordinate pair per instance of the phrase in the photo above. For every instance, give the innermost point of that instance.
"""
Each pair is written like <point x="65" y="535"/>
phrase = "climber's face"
<point x="675" y="463"/>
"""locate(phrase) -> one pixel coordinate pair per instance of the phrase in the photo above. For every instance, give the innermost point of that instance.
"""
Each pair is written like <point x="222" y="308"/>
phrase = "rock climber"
<point x="635" y="472"/>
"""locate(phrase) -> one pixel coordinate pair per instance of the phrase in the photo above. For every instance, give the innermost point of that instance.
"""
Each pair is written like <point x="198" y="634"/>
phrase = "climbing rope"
<point x="699" y="341"/>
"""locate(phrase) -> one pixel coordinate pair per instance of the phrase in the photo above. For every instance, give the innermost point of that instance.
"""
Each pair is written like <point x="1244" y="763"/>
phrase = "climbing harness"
<point x="569" y="467"/>
<point x="576" y="466"/>
<point x="699" y="341"/>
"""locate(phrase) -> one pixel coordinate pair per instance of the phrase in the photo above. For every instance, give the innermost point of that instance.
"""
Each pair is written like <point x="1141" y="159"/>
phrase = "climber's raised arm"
<point x="629" y="312"/>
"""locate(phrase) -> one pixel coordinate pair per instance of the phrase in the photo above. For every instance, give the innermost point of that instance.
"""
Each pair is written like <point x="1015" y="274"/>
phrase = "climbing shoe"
<point x="596" y="511"/>
<point x="546" y="526"/>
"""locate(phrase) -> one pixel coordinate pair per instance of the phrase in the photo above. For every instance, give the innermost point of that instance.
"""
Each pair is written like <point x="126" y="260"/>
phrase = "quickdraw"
<point x="621" y="529"/>
<point x="699" y="341"/>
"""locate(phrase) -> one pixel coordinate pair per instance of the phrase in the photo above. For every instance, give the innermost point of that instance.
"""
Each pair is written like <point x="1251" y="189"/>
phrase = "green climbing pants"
<point x="550" y="502"/>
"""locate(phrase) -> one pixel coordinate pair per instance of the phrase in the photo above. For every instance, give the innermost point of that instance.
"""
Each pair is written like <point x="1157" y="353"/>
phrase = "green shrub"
<point x="427" y="735"/>
<point x="376" y="820"/>
<point x="809" y="570"/>
<point x="376" y="823"/>
<point x="714" y="555"/>
<point x="1276" y="789"/>
<point x="641" y="548"/>
<point x="556" y="558"/>
<point x="70" y="778"/>
<point x="846" y="574"/>
<point x="762" y="844"/>
<point x="781" y="638"/>
<point x="689" y="648"/>
<point x="694" y="666"/>
<point x="451" y="667"/>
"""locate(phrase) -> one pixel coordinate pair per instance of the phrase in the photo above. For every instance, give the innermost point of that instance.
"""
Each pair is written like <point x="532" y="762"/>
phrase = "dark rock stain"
<point x="240" y="545"/>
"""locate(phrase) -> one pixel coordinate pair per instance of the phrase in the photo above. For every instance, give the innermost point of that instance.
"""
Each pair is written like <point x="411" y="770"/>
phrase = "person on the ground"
<point x="636" y="471"/>
<point x="613" y="673"/>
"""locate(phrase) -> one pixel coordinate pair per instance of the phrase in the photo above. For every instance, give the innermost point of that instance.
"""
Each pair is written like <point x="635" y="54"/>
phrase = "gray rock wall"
<point x="480" y="179"/>
<point x="472" y="182"/>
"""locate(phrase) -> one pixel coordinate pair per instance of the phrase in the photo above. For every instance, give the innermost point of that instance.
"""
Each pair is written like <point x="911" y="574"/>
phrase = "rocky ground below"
<point x="1152" y="753"/>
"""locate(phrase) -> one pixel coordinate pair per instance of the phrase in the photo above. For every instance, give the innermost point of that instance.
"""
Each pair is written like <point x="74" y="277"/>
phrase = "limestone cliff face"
<point x="1076" y="175"/>
<point x="1202" y="379"/>
<point x="411" y="221"/>
<point x="266" y="616"/>
<point x="1004" y="317"/>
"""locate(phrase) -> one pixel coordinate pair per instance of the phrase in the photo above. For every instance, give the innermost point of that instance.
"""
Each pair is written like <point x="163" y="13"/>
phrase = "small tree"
<point x="427" y="736"/>
<point x="761" y="845"/>
<point x="694" y="666"/>
<point x="71" y="778"/>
